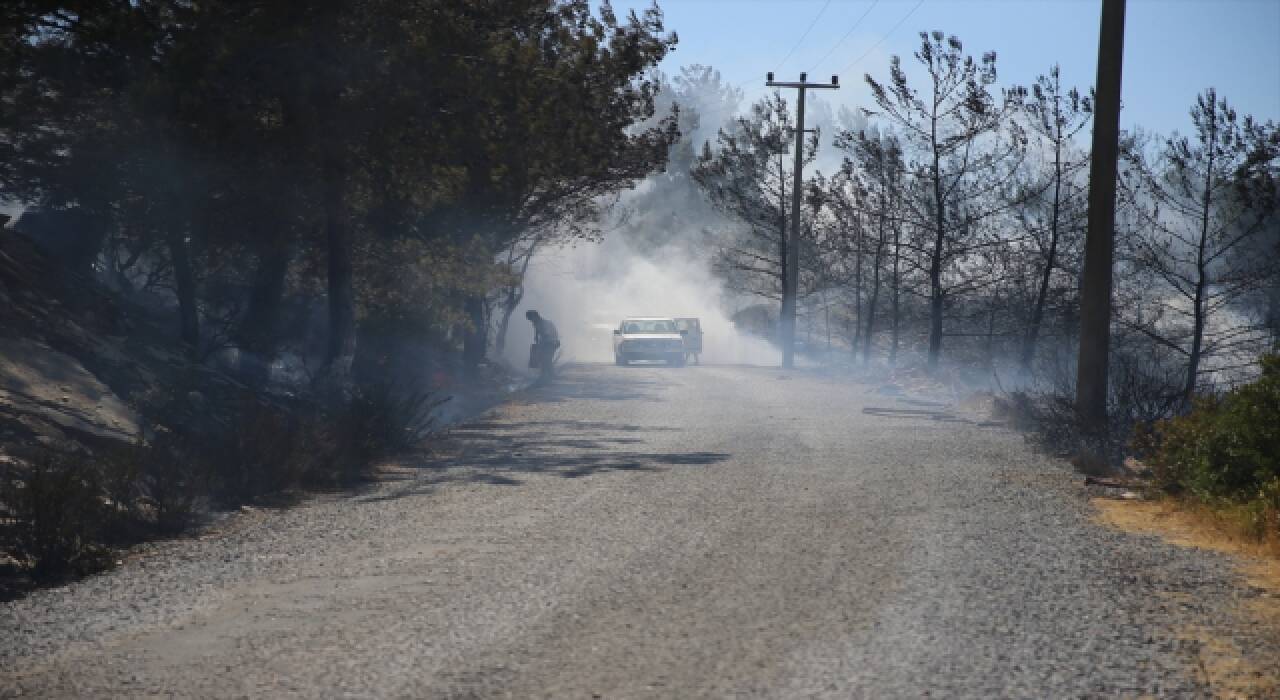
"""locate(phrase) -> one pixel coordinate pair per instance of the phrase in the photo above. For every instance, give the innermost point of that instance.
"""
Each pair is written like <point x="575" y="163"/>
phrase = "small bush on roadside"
<point x="61" y="514"/>
<point x="261" y="449"/>
<point x="1226" y="448"/>
<point x="345" y="440"/>
<point x="395" y="420"/>
<point x="174" y="483"/>
<point x="1142" y="388"/>
<point x="121" y="468"/>
<point x="57" y="515"/>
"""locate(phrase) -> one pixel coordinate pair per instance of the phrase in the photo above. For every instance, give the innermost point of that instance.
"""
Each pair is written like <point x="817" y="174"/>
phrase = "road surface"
<point x="645" y="532"/>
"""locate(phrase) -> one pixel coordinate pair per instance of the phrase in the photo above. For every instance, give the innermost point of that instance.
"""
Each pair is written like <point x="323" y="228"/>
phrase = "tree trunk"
<point x="256" y="337"/>
<point x="935" y="310"/>
<point x="475" y="341"/>
<point x="342" y="317"/>
<point x="826" y="322"/>
<point x="875" y="291"/>
<point x="509" y="304"/>
<point x="514" y="296"/>
<point x="857" y="300"/>
<point x="897" y="261"/>
<point x="935" y="263"/>
<point x="1037" y="312"/>
<point x="991" y="335"/>
<point x="1202" y="273"/>
<point x="1197" y="341"/>
<point x="184" y="279"/>
<point x="1273" y="313"/>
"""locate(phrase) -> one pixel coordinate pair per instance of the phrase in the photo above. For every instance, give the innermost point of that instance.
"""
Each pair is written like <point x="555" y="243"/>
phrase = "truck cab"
<point x="648" y="338"/>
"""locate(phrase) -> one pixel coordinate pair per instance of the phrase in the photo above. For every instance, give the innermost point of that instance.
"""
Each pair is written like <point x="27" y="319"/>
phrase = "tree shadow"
<point x="501" y="453"/>
<point x="594" y="386"/>
<point x="497" y="451"/>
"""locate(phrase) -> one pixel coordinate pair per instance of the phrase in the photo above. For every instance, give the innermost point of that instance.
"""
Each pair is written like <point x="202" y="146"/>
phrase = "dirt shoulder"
<point x="1231" y="666"/>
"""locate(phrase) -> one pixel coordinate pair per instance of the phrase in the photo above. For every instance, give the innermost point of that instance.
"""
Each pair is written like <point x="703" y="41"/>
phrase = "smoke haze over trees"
<point x="280" y="172"/>
<point x="964" y="202"/>
<point x="316" y="190"/>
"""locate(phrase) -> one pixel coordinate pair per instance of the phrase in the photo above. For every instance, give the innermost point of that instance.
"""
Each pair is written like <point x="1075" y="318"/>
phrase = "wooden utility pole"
<point x="1099" y="249"/>
<point x="791" y="268"/>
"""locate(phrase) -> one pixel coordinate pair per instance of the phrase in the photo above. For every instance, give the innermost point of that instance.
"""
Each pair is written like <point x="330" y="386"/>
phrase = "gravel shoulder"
<point x="652" y="532"/>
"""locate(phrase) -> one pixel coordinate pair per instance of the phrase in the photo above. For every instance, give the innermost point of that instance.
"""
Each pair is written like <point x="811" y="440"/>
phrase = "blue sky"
<point x="1173" y="48"/>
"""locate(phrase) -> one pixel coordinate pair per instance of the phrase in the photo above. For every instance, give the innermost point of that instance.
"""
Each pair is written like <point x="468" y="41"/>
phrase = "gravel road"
<point x="636" y="532"/>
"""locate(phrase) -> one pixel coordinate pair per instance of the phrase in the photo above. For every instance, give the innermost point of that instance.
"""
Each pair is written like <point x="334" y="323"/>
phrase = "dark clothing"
<point x="546" y="341"/>
<point x="544" y="332"/>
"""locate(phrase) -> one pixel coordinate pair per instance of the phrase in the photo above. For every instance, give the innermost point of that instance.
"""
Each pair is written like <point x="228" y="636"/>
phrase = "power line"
<point x="799" y="41"/>
<point x="858" y="60"/>
<point x="846" y="35"/>
<point x="747" y="94"/>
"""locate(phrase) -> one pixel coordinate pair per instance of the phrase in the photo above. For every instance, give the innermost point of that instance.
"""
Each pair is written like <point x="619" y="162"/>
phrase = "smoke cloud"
<point x="588" y="288"/>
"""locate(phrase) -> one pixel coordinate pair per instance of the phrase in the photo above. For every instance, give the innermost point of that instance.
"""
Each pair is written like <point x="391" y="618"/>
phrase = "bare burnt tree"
<point x="837" y="233"/>
<point x="747" y="178"/>
<point x="876" y="163"/>
<point x="1051" y="208"/>
<point x="1195" y="210"/>
<point x="964" y="150"/>
<point x="834" y="249"/>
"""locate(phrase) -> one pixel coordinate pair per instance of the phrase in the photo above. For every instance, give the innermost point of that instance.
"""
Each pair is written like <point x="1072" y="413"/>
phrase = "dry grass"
<point x="1226" y="667"/>
<point x="1191" y="524"/>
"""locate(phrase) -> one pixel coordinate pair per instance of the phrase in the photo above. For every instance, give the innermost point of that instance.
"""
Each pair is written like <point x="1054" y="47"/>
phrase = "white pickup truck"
<point x="648" y="338"/>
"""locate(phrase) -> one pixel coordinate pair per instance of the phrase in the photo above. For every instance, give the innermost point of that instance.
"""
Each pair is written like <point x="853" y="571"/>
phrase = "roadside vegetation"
<point x="68" y="509"/>
<point x="1225" y="454"/>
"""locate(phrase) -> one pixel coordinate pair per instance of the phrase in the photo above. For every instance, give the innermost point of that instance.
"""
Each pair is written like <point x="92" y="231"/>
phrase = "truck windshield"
<point x="656" y="326"/>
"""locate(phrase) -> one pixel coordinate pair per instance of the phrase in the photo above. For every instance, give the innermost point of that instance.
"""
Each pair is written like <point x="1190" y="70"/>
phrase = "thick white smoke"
<point x="588" y="288"/>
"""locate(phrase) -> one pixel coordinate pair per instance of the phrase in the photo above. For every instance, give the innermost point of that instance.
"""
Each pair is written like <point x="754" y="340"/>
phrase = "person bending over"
<point x="542" y="356"/>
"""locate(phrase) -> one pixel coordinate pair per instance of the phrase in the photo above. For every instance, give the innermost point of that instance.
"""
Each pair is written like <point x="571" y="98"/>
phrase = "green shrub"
<point x="1225" y="448"/>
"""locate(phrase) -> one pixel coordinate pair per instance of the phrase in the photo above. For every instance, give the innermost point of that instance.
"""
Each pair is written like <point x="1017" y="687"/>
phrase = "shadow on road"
<point x="500" y="452"/>
<point x="569" y="385"/>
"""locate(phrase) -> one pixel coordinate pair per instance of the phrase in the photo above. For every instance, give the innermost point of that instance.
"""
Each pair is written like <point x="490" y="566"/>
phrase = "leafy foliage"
<point x="318" y="140"/>
<point x="1226" y="447"/>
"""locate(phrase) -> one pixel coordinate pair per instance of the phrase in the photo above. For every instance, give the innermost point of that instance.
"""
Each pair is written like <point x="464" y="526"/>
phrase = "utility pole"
<point x="1099" y="247"/>
<point x="791" y="270"/>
